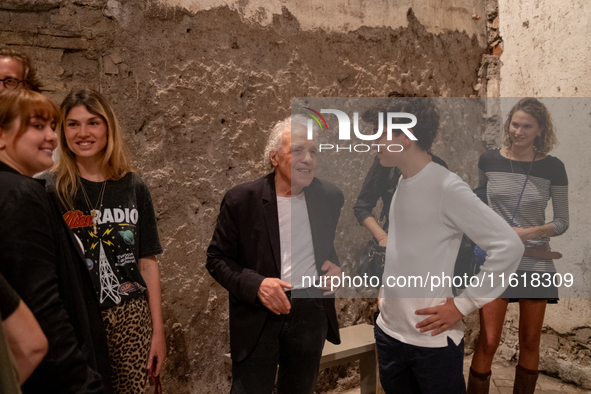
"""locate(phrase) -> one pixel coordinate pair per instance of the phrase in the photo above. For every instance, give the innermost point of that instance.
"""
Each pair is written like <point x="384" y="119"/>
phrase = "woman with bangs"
<point x="38" y="257"/>
<point x="110" y="209"/>
<point x="519" y="180"/>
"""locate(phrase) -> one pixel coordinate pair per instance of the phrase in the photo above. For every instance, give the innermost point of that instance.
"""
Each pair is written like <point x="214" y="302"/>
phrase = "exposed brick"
<point x="4" y="19"/>
<point x="90" y="17"/>
<point x="29" y="5"/>
<point x="48" y="63"/>
<point x="28" y="21"/>
<point x="12" y="38"/>
<point x="96" y="4"/>
<point x="109" y="66"/>
<point x="75" y="18"/>
<point x="497" y="50"/>
<point x="49" y="56"/>
<point x="60" y="33"/>
<point x="45" y="41"/>
<point x="62" y="42"/>
<point x="77" y="65"/>
<point x="53" y="86"/>
<point x="66" y="18"/>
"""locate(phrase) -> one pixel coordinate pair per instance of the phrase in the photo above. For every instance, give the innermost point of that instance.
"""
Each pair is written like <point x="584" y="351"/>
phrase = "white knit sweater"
<point x="429" y="213"/>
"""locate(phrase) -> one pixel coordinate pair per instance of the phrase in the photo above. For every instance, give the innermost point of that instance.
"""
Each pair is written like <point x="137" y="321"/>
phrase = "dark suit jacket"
<point x="245" y="249"/>
<point x="39" y="259"/>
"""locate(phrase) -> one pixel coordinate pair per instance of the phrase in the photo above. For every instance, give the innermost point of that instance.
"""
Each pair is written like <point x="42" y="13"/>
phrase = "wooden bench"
<point x="357" y="343"/>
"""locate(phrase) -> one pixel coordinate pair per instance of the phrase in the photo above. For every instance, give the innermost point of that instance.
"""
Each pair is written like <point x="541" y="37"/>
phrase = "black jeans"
<point x="409" y="369"/>
<point x="294" y="342"/>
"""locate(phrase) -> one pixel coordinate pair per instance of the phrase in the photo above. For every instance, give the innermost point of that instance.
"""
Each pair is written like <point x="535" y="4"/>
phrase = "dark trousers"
<point x="409" y="369"/>
<point x="294" y="342"/>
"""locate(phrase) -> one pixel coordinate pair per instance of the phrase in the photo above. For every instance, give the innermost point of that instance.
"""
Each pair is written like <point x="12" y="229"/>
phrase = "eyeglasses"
<point x="10" y="83"/>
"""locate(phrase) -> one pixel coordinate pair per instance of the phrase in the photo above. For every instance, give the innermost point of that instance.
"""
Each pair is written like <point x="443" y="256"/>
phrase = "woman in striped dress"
<point x="529" y="137"/>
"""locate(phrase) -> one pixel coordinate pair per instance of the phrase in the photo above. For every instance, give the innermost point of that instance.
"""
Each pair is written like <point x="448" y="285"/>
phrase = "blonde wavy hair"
<point x="115" y="161"/>
<point x="534" y="107"/>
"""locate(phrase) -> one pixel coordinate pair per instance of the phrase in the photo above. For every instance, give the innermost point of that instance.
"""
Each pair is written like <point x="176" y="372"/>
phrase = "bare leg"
<point x="492" y="317"/>
<point x="531" y="319"/>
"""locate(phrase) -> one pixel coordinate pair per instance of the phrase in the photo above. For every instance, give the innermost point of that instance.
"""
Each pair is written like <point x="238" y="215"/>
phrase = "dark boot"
<point x="525" y="380"/>
<point x="478" y="383"/>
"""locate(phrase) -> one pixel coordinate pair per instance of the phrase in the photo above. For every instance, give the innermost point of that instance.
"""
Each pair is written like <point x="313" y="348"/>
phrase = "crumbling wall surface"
<point x="547" y="53"/>
<point x="196" y="92"/>
<point x="344" y="16"/>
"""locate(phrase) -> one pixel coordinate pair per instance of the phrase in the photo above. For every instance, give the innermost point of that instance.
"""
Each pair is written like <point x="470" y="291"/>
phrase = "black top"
<point x="380" y="182"/>
<point x="9" y="300"/>
<point x="37" y="260"/>
<point x="126" y="232"/>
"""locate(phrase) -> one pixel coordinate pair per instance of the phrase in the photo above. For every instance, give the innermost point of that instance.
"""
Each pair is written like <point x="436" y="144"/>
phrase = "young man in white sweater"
<point x="419" y="331"/>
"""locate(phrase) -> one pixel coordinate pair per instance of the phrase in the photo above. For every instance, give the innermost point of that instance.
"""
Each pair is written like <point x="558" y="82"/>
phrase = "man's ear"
<point x="407" y="141"/>
<point x="273" y="158"/>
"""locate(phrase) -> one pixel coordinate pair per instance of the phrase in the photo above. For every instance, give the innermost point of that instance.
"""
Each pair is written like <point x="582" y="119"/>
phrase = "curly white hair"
<point x="276" y="135"/>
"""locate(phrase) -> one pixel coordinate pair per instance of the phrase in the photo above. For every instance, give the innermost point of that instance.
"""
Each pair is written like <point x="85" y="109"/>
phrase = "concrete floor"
<point x="502" y="382"/>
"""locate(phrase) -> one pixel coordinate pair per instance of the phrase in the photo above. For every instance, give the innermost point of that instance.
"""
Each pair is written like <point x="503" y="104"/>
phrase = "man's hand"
<point x="273" y="297"/>
<point x="442" y="317"/>
<point x="331" y="270"/>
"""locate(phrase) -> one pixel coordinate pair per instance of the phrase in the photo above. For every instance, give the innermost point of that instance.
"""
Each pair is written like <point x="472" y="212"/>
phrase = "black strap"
<point x="523" y="189"/>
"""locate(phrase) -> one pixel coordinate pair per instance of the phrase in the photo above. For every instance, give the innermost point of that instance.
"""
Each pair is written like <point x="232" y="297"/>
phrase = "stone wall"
<point x="196" y="91"/>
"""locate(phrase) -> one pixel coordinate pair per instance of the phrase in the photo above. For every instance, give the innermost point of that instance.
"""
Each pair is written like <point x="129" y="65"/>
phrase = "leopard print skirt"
<point x="129" y="333"/>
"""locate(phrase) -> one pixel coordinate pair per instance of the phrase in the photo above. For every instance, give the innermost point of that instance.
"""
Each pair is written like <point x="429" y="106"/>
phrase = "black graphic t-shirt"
<point x="126" y="232"/>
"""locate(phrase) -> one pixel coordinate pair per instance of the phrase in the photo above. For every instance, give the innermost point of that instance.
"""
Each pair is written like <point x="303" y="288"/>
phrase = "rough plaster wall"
<point x="547" y="53"/>
<point x="548" y="48"/>
<point x="345" y="16"/>
<point x="196" y="92"/>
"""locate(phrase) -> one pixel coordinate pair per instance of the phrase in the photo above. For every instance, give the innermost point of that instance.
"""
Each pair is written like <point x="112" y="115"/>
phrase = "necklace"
<point x="99" y="203"/>
<point x="509" y="154"/>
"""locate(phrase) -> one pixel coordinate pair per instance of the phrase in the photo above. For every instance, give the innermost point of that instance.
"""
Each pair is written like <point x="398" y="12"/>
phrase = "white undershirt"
<point x="297" y="249"/>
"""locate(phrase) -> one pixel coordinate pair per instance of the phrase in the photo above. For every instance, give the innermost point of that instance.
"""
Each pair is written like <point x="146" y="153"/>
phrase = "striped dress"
<point x="504" y="181"/>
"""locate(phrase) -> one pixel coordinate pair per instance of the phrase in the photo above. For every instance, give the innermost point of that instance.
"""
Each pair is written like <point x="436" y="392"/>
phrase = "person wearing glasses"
<point x="16" y="71"/>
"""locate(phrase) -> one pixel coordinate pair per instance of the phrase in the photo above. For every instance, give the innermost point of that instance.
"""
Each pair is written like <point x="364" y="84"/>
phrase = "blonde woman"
<point x="522" y="166"/>
<point x="110" y="209"/>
